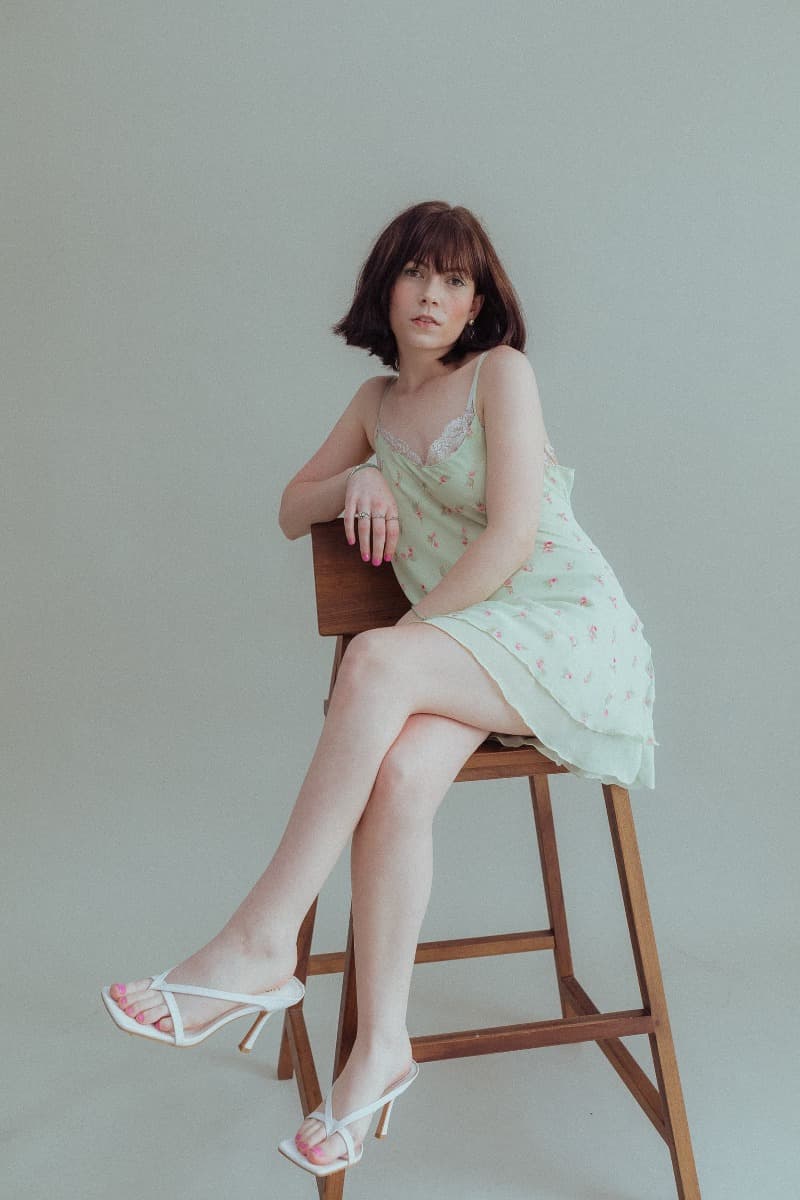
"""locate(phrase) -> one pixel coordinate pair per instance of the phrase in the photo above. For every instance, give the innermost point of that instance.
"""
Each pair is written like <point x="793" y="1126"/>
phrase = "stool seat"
<point x="351" y="597"/>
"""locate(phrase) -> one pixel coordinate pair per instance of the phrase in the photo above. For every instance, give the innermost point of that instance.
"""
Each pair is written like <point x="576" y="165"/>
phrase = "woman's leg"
<point x="392" y="868"/>
<point x="386" y="676"/>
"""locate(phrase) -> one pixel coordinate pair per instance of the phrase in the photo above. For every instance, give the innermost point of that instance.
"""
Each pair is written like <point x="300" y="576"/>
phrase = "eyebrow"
<point x="421" y="262"/>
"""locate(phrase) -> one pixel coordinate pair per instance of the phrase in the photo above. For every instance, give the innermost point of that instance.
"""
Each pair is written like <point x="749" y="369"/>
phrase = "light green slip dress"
<point x="558" y="636"/>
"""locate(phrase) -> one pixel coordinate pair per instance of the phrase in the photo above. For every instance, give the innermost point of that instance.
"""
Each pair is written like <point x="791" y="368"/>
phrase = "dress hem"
<point x="641" y="768"/>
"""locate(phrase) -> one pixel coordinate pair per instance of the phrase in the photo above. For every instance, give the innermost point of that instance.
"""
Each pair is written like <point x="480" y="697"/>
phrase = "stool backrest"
<point x="352" y="595"/>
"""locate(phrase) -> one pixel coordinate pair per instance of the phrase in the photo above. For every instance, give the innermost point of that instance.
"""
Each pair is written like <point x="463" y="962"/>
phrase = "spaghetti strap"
<point x="386" y="387"/>
<point x="474" y="389"/>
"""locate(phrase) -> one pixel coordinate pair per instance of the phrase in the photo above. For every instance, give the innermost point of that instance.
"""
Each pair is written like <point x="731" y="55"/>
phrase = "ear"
<point x="477" y="305"/>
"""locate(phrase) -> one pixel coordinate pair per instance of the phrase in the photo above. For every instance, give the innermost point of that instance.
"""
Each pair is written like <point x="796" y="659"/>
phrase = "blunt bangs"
<point x="442" y="241"/>
<point x="446" y="238"/>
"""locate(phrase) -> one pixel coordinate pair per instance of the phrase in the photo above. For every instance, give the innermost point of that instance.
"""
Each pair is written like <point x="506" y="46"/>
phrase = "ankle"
<point x="384" y="1043"/>
<point x="258" y="945"/>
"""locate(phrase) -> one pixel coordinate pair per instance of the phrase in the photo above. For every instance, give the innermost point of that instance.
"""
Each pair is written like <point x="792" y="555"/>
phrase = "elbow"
<point x="519" y="546"/>
<point x="529" y="544"/>
<point x="289" y="529"/>
<point x="291" y="532"/>
<point x="525" y="542"/>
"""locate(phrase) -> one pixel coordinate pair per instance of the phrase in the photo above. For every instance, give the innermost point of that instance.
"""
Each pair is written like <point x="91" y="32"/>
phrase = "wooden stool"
<point x="351" y="597"/>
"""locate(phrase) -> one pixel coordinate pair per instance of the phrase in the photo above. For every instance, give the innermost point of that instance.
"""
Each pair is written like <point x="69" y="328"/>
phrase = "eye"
<point x="458" y="280"/>
<point x="411" y="270"/>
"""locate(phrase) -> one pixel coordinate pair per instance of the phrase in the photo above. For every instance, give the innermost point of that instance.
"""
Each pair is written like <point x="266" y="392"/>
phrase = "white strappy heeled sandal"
<point x="264" y="1005"/>
<point x="325" y="1114"/>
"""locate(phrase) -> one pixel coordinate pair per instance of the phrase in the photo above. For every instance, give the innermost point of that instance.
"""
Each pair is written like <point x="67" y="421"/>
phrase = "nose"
<point x="431" y="290"/>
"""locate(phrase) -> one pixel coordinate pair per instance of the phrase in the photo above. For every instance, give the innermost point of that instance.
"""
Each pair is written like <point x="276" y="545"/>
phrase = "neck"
<point x="417" y="368"/>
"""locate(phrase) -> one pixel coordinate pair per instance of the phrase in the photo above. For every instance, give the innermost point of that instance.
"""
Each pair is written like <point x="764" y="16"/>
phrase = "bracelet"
<point x="361" y="466"/>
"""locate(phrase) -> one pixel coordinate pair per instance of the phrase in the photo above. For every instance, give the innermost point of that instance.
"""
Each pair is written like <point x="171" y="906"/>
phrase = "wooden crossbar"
<point x="451" y="948"/>
<point x="531" y="1034"/>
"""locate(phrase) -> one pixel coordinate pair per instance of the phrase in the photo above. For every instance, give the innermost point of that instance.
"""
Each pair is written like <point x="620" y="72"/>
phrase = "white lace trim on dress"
<point x="447" y="442"/>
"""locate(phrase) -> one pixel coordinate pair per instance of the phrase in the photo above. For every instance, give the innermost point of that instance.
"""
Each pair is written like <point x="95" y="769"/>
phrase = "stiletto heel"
<point x="249" y="1039"/>
<point x="263" y="1005"/>
<point x="289" y="1149"/>
<point x="383" y="1123"/>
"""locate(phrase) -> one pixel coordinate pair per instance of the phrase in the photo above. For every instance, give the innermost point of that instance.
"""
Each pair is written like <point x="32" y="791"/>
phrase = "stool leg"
<point x="285" y="1068"/>
<point x="331" y="1187"/>
<point x="648" y="970"/>
<point x="348" y="1007"/>
<point x="551" y="876"/>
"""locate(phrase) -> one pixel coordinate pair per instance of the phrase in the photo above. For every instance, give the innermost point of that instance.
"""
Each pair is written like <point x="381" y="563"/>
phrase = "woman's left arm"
<point x="515" y="440"/>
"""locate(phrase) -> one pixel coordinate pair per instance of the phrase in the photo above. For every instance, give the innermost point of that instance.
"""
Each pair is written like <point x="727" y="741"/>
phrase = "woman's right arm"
<point x="317" y="492"/>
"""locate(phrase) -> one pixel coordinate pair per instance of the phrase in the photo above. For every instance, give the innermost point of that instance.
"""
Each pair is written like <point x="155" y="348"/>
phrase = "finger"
<point x="349" y="524"/>
<point x="378" y="539"/>
<point x="392" y="538"/>
<point x="364" y="532"/>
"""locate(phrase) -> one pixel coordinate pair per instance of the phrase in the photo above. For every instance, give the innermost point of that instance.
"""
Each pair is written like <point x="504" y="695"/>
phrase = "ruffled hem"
<point x="617" y="758"/>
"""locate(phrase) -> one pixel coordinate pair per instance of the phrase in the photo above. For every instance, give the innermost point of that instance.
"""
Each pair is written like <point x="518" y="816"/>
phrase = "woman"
<point x="517" y="629"/>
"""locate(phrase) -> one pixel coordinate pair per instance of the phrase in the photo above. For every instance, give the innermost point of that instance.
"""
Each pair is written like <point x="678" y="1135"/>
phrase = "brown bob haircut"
<point x="448" y="239"/>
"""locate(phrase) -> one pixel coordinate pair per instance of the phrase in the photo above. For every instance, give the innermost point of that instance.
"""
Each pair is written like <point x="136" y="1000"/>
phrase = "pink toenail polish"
<point x="140" y="1018"/>
<point x="121" y="988"/>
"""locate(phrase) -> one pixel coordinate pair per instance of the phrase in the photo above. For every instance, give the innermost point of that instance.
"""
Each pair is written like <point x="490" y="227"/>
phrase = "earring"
<point x="468" y="332"/>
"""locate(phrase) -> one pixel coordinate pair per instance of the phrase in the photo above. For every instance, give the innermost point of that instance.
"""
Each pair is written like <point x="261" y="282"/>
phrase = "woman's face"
<point x="428" y="309"/>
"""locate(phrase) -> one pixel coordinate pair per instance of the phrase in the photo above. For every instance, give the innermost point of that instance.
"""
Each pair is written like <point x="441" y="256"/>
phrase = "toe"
<point x="154" y="1013"/>
<point x="146" y="1007"/>
<point x="309" y="1134"/>
<point x="125" y="993"/>
<point x="328" y="1150"/>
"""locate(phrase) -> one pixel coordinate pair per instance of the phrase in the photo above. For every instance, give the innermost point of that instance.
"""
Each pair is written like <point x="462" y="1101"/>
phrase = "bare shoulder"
<point x="506" y="376"/>
<point x="504" y="363"/>
<point x="350" y="441"/>
<point x="366" y="403"/>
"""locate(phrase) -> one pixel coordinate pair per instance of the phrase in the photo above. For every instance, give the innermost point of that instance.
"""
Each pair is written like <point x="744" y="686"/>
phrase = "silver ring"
<point x="360" y="515"/>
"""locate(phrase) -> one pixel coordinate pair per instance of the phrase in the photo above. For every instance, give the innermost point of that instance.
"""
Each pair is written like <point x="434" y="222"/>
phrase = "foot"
<point x="369" y="1073"/>
<point x="221" y="964"/>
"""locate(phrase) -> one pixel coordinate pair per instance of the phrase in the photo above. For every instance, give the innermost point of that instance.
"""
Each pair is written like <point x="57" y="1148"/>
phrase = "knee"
<point x="366" y="661"/>
<point x="403" y="793"/>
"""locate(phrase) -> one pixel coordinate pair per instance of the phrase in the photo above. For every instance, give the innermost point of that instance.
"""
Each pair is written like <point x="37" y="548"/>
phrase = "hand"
<point x="367" y="491"/>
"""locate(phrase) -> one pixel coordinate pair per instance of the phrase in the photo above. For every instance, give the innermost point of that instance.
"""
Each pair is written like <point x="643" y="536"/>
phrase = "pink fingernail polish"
<point x="388" y="558"/>
<point x="365" y="557"/>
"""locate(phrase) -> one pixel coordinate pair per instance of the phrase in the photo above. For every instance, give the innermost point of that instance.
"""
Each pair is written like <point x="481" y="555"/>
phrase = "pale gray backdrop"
<point x="188" y="192"/>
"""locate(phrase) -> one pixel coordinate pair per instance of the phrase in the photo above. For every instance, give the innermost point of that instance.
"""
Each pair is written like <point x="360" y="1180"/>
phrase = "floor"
<point x="97" y="1114"/>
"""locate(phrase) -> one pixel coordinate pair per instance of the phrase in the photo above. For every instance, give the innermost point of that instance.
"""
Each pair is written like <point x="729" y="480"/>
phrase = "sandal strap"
<point x="388" y="1095"/>
<point x="175" y="1014"/>
<point x="333" y="1126"/>
<point x="189" y="989"/>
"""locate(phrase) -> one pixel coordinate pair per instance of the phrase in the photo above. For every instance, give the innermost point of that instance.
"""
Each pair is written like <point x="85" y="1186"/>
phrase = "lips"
<point x="424" y="321"/>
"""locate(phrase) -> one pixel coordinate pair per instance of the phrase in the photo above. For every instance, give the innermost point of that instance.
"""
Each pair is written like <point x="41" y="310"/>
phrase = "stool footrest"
<point x="635" y="1079"/>
<point x="558" y="1032"/>
<point x="452" y="948"/>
